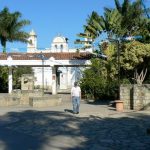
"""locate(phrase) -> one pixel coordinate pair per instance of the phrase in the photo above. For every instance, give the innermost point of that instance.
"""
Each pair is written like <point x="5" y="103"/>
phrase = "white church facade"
<point x="66" y="75"/>
<point x="55" y="68"/>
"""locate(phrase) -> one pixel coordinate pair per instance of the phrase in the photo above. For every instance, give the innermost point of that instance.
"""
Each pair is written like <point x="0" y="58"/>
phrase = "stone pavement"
<point x="97" y="127"/>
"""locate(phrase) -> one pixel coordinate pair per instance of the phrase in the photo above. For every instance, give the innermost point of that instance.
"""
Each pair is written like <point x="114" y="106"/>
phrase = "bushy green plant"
<point x="97" y="82"/>
<point x="3" y="79"/>
<point x="17" y="72"/>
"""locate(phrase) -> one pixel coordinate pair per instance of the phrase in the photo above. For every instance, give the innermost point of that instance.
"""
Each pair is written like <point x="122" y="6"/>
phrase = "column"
<point x="68" y="77"/>
<point x="54" y="88"/>
<point x="10" y="80"/>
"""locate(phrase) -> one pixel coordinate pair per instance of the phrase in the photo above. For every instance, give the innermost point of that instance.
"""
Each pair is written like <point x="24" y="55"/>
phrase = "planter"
<point x="119" y="105"/>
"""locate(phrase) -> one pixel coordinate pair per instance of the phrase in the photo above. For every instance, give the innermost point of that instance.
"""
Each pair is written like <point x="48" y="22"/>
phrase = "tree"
<point x="96" y="82"/>
<point x="110" y="22"/>
<point x="133" y="22"/>
<point x="135" y="57"/>
<point x="96" y="25"/>
<point x="3" y="79"/>
<point x="90" y="29"/>
<point x="125" y="20"/>
<point x="134" y="54"/>
<point x="11" y="27"/>
<point x="91" y="32"/>
<point x="17" y="73"/>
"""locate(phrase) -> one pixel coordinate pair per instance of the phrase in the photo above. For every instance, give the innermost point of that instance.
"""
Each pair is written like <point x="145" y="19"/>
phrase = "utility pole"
<point x="118" y="62"/>
<point x="42" y="57"/>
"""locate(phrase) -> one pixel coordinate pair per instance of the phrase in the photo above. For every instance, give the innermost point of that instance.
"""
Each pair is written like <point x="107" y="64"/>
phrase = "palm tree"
<point x="127" y="19"/>
<point x="11" y="27"/>
<point x="133" y="19"/>
<point x="109" y="23"/>
<point x="97" y="24"/>
<point x="91" y="32"/>
<point x="91" y="28"/>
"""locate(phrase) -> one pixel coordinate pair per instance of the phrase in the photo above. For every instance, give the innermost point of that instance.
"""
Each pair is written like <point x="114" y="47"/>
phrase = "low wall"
<point x="29" y="98"/>
<point x="135" y="96"/>
<point x="44" y="101"/>
<point x="8" y="100"/>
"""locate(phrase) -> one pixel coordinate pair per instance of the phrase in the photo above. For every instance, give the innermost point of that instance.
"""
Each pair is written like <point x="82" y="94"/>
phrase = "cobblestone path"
<point x="95" y="128"/>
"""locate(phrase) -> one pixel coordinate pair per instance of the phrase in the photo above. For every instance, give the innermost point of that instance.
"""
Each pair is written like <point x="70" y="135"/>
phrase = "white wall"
<point x="47" y="76"/>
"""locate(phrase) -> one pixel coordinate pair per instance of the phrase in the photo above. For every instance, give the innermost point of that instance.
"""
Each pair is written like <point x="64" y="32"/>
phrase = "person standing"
<point x="76" y="97"/>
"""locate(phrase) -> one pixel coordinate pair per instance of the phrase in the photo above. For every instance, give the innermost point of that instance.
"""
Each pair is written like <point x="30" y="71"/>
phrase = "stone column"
<point x="139" y="96"/>
<point x="10" y="80"/>
<point x="54" y="87"/>
<point x="69" y="77"/>
<point x="66" y="77"/>
<point x="126" y="95"/>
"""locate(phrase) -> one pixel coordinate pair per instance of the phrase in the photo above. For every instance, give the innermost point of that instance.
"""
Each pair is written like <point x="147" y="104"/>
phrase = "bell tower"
<point x="59" y="44"/>
<point x="32" y="45"/>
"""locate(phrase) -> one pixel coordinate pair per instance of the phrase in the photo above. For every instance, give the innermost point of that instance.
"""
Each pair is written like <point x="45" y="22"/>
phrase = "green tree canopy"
<point x="134" y="54"/>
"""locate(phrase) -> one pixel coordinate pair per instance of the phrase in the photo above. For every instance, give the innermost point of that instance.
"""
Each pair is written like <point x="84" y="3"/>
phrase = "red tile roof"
<point x="56" y="56"/>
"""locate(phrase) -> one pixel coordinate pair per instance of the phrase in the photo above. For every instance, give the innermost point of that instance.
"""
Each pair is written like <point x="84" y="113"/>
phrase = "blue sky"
<point x="52" y="17"/>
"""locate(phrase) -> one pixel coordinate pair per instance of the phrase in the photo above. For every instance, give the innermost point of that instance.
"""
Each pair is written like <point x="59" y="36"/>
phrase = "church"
<point x="66" y="75"/>
<point x="55" y="68"/>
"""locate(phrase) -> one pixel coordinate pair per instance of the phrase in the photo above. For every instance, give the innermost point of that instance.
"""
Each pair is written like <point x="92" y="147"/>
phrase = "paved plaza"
<point x="97" y="127"/>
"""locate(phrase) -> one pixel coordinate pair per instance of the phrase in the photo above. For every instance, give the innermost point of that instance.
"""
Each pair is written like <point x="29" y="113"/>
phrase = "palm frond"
<point x="118" y="5"/>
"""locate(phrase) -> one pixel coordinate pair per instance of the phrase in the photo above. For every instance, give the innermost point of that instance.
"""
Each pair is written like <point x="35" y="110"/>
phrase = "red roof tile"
<point x="56" y="56"/>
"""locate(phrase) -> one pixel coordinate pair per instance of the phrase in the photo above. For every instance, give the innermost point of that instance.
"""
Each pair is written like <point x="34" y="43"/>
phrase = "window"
<point x="61" y="47"/>
<point x="55" y="46"/>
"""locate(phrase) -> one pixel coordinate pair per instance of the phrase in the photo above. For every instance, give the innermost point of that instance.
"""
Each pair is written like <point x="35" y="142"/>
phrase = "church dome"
<point x="59" y="39"/>
<point x="59" y="44"/>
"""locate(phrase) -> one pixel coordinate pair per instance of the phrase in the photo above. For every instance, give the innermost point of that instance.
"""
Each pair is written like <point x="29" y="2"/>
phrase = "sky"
<point x="50" y="18"/>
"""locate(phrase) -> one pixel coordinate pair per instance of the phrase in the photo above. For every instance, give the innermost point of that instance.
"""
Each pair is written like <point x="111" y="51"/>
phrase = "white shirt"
<point x="76" y="91"/>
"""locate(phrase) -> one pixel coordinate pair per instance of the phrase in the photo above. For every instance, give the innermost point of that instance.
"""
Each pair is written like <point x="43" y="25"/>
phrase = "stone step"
<point x="65" y="97"/>
<point x="45" y="101"/>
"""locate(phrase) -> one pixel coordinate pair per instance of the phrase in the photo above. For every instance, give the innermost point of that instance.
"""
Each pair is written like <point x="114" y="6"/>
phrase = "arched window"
<point x="56" y="47"/>
<point x="61" y="47"/>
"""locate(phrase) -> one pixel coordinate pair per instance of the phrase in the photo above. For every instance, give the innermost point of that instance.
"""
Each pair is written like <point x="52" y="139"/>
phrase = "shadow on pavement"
<point x="97" y="102"/>
<point x="54" y="130"/>
<point x="68" y="110"/>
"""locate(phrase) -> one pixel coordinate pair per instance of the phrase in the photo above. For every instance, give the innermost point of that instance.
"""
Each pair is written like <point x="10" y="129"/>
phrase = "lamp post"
<point x="119" y="103"/>
<point x="118" y="53"/>
<point x="42" y="57"/>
